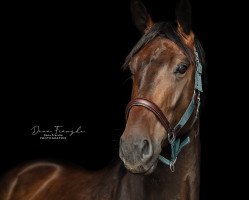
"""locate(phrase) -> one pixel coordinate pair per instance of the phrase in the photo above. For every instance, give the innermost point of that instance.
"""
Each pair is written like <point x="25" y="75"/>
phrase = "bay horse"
<point x="160" y="146"/>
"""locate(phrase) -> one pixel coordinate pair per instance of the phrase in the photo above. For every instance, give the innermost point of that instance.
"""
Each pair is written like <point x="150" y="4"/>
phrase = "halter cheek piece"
<point x="176" y="144"/>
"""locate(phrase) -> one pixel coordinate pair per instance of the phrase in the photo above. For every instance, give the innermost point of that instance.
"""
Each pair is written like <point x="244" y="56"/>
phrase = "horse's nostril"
<point x="146" y="150"/>
<point x="145" y="147"/>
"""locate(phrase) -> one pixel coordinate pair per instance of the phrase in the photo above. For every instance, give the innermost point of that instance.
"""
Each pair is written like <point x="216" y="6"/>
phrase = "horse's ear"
<point x="140" y="16"/>
<point x="183" y="16"/>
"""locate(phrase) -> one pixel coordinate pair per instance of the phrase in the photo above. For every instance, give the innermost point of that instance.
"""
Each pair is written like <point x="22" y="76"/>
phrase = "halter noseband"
<point x="153" y="108"/>
<point x="176" y="144"/>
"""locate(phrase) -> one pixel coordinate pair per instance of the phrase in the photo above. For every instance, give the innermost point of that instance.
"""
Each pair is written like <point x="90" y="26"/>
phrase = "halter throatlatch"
<point x="176" y="143"/>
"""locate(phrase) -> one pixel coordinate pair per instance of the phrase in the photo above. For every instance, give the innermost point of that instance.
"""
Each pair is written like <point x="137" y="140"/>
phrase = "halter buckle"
<point x="198" y="105"/>
<point x="172" y="165"/>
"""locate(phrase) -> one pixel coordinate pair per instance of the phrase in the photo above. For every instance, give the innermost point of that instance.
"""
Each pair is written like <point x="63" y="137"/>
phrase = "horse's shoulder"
<point x="40" y="180"/>
<point x="27" y="178"/>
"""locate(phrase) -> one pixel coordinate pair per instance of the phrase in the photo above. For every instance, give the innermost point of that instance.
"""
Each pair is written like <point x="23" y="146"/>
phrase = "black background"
<point x="63" y="67"/>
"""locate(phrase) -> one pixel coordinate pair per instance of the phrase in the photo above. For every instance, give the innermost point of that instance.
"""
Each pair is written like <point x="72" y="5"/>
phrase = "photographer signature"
<point x="56" y="130"/>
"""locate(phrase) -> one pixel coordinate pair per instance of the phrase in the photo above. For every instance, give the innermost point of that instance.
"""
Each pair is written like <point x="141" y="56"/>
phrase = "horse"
<point x="160" y="146"/>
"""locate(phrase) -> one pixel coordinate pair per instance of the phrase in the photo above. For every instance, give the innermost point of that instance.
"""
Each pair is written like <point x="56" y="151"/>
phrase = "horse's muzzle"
<point x="136" y="152"/>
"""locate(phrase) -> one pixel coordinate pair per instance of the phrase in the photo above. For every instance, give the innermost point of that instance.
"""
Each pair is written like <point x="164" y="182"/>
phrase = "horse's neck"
<point x="164" y="184"/>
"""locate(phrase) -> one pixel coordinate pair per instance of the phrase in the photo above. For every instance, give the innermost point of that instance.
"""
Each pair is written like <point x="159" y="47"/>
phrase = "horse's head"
<point x="163" y="69"/>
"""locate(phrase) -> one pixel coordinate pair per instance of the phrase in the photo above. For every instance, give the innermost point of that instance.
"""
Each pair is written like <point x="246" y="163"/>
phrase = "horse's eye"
<point x="182" y="68"/>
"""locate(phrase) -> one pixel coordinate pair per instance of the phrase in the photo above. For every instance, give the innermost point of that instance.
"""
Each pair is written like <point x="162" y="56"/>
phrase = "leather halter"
<point x="153" y="108"/>
<point x="172" y="132"/>
<point x="176" y="145"/>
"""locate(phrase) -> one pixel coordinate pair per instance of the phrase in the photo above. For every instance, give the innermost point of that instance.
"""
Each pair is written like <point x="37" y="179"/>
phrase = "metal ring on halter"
<point x="171" y="137"/>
